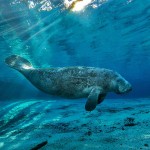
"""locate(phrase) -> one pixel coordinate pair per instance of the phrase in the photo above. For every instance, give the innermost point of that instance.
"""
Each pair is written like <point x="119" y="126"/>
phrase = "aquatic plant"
<point x="130" y="121"/>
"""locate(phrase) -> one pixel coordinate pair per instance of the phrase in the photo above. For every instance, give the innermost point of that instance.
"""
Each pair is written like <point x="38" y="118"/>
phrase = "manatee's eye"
<point x="119" y="81"/>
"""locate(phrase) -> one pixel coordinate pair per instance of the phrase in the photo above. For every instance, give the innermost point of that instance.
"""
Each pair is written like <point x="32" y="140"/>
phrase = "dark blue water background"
<point x="115" y="35"/>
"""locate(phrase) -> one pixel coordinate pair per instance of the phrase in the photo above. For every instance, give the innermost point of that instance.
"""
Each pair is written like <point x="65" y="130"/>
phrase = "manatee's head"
<point x="120" y="85"/>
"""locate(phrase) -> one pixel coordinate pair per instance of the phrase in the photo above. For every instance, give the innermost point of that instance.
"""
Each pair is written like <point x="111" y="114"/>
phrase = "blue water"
<point x="113" y="34"/>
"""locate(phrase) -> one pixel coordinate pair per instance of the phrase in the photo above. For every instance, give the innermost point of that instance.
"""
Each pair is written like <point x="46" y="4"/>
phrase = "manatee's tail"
<point x="18" y="63"/>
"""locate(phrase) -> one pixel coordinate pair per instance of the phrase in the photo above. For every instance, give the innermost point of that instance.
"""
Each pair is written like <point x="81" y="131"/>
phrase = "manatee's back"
<point x="67" y="81"/>
<point x="79" y="78"/>
<point x="72" y="81"/>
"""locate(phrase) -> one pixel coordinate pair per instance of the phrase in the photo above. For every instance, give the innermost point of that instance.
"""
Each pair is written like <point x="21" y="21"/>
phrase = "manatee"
<point x="72" y="82"/>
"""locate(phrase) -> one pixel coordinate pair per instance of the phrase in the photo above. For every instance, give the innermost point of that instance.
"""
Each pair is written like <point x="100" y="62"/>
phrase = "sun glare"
<point x="77" y="5"/>
<point x="27" y="67"/>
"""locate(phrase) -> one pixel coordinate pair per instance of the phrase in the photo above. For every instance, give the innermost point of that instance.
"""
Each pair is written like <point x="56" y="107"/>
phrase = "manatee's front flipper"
<point x="101" y="97"/>
<point x="92" y="100"/>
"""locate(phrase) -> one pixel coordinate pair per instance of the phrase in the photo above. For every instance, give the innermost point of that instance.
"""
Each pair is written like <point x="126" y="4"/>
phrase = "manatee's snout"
<point x="123" y="86"/>
<point x="128" y="88"/>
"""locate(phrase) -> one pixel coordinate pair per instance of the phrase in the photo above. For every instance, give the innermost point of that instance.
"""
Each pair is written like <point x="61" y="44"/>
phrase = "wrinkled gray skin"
<point x="73" y="82"/>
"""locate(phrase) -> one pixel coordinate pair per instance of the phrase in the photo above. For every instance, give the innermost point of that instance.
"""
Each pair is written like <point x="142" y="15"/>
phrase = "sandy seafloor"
<point x="121" y="124"/>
